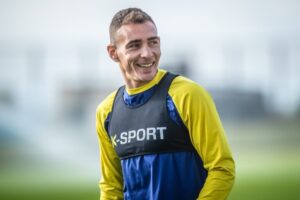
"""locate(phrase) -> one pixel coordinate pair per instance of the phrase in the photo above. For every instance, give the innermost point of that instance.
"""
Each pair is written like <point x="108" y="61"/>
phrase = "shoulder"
<point x="185" y="88"/>
<point x="193" y="102"/>
<point x="105" y="107"/>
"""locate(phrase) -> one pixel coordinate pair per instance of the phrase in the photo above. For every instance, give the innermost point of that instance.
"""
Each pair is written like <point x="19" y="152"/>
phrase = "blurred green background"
<point x="266" y="154"/>
<point x="54" y="71"/>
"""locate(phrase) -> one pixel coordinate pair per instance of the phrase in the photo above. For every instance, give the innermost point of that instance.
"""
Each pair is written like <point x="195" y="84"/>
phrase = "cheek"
<point x="126" y="63"/>
<point x="125" y="57"/>
<point x="122" y="59"/>
<point x="157" y="52"/>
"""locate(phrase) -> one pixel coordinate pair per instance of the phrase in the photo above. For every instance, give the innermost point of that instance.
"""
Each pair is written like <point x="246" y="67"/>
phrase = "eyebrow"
<point x="153" y="38"/>
<point x="132" y="42"/>
<point x="138" y="40"/>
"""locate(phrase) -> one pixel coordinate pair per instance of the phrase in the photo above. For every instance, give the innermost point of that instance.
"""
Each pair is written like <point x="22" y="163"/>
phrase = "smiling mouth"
<point x="145" y="65"/>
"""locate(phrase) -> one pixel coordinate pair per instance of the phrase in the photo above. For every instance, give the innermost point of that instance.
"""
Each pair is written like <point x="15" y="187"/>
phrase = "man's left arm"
<point x="200" y="116"/>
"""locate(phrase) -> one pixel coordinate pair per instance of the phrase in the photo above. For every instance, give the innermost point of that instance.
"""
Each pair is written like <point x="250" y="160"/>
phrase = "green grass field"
<point x="275" y="187"/>
<point x="267" y="166"/>
<point x="263" y="187"/>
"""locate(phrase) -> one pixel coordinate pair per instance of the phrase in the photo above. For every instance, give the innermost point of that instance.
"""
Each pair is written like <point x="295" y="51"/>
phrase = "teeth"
<point x="146" y="65"/>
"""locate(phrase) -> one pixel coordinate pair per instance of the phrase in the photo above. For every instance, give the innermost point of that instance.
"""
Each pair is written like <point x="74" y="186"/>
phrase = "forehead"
<point x="129" y="32"/>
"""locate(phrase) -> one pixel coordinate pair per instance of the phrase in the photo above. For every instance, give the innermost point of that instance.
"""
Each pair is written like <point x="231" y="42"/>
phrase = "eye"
<point x="133" y="46"/>
<point x="153" y="42"/>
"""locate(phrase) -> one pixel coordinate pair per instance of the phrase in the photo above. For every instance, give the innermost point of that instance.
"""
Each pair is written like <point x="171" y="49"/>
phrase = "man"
<point x="160" y="135"/>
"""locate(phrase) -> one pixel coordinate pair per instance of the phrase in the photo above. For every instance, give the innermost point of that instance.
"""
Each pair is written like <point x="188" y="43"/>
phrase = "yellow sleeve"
<point x="199" y="114"/>
<point x="111" y="183"/>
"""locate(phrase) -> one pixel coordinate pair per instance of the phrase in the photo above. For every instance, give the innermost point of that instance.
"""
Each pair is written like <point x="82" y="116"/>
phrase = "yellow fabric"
<point x="111" y="183"/>
<point x="157" y="78"/>
<point x="197" y="111"/>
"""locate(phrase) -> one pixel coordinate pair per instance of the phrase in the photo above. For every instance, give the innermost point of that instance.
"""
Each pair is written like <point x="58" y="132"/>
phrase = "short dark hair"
<point x="127" y="16"/>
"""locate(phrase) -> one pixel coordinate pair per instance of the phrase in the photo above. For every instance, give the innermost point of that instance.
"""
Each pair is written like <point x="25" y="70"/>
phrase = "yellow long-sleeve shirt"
<point x="198" y="114"/>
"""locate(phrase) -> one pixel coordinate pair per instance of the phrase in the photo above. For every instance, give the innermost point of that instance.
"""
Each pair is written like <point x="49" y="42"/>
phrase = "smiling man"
<point x="136" y="47"/>
<point x="160" y="135"/>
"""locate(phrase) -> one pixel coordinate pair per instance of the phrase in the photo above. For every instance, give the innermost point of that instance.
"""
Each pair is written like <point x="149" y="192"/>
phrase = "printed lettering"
<point x="123" y="137"/>
<point x="151" y="132"/>
<point x="140" y="134"/>
<point x="131" y="135"/>
<point x="161" y="131"/>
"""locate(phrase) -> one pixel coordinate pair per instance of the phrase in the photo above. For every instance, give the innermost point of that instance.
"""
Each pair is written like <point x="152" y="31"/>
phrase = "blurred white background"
<point x="54" y="71"/>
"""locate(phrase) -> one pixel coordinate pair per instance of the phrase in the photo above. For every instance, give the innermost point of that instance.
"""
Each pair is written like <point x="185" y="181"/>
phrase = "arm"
<point x="111" y="183"/>
<point x="200" y="116"/>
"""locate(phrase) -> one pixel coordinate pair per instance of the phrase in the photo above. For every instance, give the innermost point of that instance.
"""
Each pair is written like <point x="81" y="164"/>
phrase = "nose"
<point x="146" y="51"/>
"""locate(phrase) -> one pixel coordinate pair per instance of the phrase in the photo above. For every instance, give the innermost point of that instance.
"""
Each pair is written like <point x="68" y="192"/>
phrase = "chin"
<point x="145" y="78"/>
<point x="148" y="76"/>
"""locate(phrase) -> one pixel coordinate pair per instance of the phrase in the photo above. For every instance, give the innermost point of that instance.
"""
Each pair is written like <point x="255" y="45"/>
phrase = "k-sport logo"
<point x="142" y="134"/>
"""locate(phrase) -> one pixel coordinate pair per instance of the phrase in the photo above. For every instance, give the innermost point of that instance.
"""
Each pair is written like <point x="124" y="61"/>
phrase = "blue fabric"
<point x="138" y="99"/>
<point x="173" y="113"/>
<point x="163" y="176"/>
<point x="176" y="175"/>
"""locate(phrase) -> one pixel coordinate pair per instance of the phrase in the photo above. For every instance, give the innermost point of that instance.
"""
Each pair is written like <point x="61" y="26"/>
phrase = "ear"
<point x="112" y="52"/>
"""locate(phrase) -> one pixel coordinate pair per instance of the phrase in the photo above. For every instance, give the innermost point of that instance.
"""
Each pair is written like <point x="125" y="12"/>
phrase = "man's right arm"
<point x="111" y="183"/>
